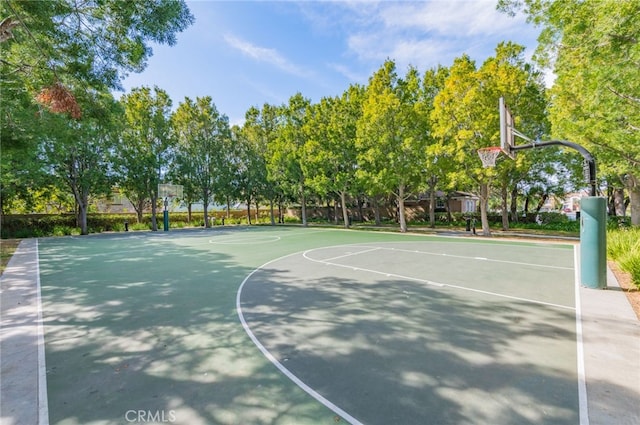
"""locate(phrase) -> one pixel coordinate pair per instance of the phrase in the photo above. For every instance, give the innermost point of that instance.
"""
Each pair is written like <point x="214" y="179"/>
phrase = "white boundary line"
<point x="582" y="380"/>
<point x="476" y="258"/>
<point x="234" y="241"/>
<point x="43" y="402"/>
<point x="313" y="393"/>
<point x="351" y="254"/>
<point x="426" y="281"/>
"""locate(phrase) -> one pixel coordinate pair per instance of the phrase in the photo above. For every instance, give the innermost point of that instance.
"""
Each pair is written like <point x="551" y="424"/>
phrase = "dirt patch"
<point x="7" y="248"/>
<point x="631" y="291"/>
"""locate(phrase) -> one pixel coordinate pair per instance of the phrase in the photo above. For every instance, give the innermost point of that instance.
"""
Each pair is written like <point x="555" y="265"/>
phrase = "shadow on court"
<point x="394" y="351"/>
<point x="144" y="329"/>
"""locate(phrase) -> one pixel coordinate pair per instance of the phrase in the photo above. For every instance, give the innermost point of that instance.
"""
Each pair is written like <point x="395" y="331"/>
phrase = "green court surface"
<point x="287" y="325"/>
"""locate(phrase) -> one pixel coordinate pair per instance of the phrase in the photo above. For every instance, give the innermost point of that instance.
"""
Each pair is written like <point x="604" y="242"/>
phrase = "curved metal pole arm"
<point x="588" y="158"/>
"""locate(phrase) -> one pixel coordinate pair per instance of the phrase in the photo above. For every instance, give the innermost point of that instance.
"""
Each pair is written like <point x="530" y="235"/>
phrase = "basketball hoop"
<point x="488" y="155"/>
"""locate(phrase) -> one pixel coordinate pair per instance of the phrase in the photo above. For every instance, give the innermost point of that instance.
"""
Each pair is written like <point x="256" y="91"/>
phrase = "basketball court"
<point x="260" y="325"/>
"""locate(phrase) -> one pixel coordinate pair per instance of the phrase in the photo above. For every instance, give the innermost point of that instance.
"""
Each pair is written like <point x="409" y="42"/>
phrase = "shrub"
<point x="623" y="247"/>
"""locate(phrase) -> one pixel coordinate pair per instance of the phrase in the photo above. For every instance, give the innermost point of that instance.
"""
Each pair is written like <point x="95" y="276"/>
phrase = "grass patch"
<point x="623" y="247"/>
<point x="7" y="248"/>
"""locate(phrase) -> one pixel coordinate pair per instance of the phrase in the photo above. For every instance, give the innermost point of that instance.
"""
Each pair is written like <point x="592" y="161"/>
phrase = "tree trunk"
<point x="154" y="208"/>
<point x="83" y="201"/>
<point x="633" y="186"/>
<point x="401" y="216"/>
<point x="484" y="207"/>
<point x="619" y="205"/>
<point x="139" y="207"/>
<point x="303" y="212"/>
<point x="541" y="202"/>
<point x="514" y="204"/>
<point x="257" y="216"/>
<point x="505" y="213"/>
<point x="432" y="202"/>
<point x="271" y="214"/>
<point x="345" y="212"/>
<point x="249" y="211"/>
<point x="376" y="211"/>
<point x="205" y="205"/>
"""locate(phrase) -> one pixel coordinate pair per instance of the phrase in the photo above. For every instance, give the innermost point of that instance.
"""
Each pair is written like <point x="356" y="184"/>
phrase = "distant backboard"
<point x="170" y="191"/>
<point x="507" y="138"/>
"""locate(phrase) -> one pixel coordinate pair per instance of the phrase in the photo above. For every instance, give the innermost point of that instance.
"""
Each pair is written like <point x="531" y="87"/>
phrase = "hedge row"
<point x="41" y="225"/>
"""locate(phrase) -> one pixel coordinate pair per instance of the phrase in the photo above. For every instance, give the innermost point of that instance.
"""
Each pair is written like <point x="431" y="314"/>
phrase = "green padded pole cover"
<point x="593" y="242"/>
<point x="166" y="220"/>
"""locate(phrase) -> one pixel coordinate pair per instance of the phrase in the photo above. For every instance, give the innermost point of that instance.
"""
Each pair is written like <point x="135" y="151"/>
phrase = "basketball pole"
<point x="166" y="214"/>
<point x="593" y="220"/>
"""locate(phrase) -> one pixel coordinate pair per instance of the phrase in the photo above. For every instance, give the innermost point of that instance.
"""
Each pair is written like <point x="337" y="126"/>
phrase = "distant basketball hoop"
<point x="489" y="155"/>
<point x="167" y="192"/>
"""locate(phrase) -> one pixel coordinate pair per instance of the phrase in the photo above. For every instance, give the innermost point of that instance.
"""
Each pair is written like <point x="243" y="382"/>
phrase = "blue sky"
<point x="247" y="53"/>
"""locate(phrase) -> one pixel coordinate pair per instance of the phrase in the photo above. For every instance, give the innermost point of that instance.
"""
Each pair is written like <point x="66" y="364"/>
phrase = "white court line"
<point x="433" y="283"/>
<point x="352" y="253"/>
<point x="43" y="402"/>
<point x="440" y="254"/>
<point x="582" y="380"/>
<point x="259" y="238"/>
<point x="313" y="393"/>
<point x="230" y="240"/>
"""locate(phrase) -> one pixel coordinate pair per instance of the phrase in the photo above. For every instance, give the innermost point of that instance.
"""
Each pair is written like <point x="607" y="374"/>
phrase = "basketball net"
<point x="489" y="155"/>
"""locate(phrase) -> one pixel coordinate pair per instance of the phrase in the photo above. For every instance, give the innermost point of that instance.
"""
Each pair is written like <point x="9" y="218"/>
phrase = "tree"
<point x="145" y="147"/>
<point x="202" y="134"/>
<point x="435" y="165"/>
<point x="78" y="153"/>
<point x="55" y="50"/>
<point x="330" y="155"/>
<point x="96" y="42"/>
<point x="593" y="49"/>
<point x="391" y="137"/>
<point x="256" y="136"/>
<point x="285" y="153"/>
<point x="466" y="116"/>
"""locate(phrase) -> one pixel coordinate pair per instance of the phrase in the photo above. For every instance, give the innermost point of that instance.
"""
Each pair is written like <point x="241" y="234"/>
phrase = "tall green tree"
<point x="202" y="134"/>
<point x="390" y="136"/>
<point x="593" y="49"/>
<point x="54" y="51"/>
<point x="466" y="117"/>
<point x="256" y="136"/>
<point x="145" y="147"/>
<point x="435" y="165"/>
<point x="330" y="155"/>
<point x="508" y="75"/>
<point x="79" y="153"/>
<point x="286" y="151"/>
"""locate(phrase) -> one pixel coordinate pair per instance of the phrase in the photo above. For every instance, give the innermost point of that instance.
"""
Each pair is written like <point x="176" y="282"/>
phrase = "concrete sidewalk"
<point x="23" y="380"/>
<point x="611" y="337"/>
<point x="610" y="334"/>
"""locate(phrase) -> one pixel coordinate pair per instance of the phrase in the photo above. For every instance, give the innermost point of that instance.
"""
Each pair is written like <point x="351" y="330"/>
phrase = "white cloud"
<point x="353" y="76"/>
<point x="423" y="34"/>
<point x="267" y="55"/>
<point x="450" y="18"/>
